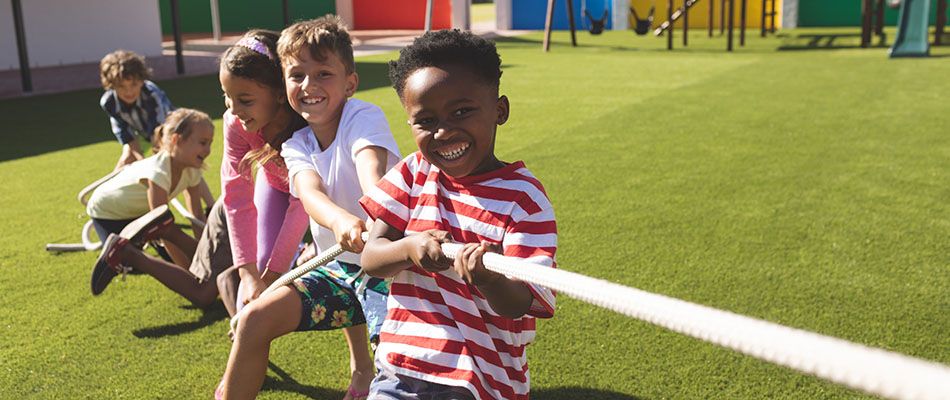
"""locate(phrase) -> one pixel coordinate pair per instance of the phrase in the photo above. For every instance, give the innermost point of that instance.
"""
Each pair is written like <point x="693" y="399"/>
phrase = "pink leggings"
<point x="281" y="224"/>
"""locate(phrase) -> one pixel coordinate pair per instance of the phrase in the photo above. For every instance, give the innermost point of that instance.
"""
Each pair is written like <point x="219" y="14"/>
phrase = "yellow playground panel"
<point x="699" y="12"/>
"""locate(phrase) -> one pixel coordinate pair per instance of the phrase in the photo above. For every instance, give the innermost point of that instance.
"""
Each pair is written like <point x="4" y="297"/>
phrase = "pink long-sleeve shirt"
<point x="238" y="192"/>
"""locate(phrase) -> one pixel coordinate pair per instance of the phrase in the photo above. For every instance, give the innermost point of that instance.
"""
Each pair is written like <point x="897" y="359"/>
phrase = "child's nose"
<point x="444" y="132"/>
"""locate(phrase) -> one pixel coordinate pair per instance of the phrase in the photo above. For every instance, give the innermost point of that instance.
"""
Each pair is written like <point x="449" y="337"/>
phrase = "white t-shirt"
<point x="362" y="125"/>
<point x="125" y="196"/>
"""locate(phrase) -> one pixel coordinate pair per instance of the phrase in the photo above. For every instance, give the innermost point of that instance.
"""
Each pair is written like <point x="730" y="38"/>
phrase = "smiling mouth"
<point x="454" y="153"/>
<point x="312" y="100"/>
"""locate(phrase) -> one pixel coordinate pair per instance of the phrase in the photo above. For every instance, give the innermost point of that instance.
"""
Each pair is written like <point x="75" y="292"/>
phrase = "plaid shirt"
<point x="146" y="114"/>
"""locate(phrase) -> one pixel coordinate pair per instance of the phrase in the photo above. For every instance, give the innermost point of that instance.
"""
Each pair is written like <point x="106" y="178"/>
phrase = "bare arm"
<point x="346" y="227"/>
<point x="131" y="152"/>
<point x="157" y="196"/>
<point x="193" y="199"/>
<point x="206" y="196"/>
<point x="388" y="251"/>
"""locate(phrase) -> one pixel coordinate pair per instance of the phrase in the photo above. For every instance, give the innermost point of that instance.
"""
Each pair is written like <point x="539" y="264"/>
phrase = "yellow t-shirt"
<point x="125" y="196"/>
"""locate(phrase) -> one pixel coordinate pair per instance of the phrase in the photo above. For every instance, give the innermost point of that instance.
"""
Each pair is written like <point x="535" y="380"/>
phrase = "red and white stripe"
<point x="439" y="328"/>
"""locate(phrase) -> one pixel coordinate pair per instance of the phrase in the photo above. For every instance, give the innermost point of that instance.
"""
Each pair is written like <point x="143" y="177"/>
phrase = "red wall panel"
<point x="400" y="14"/>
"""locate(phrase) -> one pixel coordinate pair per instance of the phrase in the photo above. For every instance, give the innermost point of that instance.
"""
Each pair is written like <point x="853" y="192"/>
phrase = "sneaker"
<point x="108" y="265"/>
<point x="147" y="227"/>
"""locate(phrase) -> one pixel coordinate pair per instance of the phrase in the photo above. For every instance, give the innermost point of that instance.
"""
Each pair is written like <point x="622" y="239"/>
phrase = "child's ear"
<point x="502" y="107"/>
<point x="352" y="81"/>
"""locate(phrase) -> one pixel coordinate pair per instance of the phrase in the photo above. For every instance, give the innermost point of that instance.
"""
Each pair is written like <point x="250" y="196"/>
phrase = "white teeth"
<point x="454" y="153"/>
<point x="311" y="101"/>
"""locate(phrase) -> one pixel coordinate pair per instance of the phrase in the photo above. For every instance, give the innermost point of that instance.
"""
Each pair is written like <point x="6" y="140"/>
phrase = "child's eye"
<point x="424" y="122"/>
<point x="324" y="74"/>
<point x="296" y="76"/>
<point x="462" y="111"/>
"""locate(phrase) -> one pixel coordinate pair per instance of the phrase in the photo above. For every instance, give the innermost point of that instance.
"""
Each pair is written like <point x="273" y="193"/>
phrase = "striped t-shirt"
<point x="439" y="328"/>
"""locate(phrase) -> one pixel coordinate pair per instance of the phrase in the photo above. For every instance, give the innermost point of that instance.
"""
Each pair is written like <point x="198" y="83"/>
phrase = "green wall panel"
<point x="844" y="13"/>
<point x="240" y="15"/>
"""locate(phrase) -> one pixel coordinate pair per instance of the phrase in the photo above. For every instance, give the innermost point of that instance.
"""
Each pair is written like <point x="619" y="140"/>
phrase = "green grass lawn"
<point x="800" y="179"/>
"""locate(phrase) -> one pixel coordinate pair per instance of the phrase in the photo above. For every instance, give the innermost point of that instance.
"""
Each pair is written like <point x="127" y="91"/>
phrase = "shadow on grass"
<point x="830" y="41"/>
<point x="208" y="316"/>
<point x="566" y="393"/>
<point x="286" y="383"/>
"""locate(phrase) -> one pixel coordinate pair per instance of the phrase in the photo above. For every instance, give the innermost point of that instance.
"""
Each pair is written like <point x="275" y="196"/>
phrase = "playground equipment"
<point x="596" y="26"/>
<point x="88" y="244"/>
<point x="643" y="26"/>
<point x="911" y="39"/>
<point x="768" y="11"/>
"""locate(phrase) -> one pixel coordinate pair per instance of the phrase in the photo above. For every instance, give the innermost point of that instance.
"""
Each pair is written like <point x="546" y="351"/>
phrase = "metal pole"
<point x="865" y="23"/>
<point x="176" y="30"/>
<point x="762" y="33"/>
<point x="547" y="26"/>
<point x="286" y="13"/>
<point x="570" y="18"/>
<point x="722" y="16"/>
<point x="428" y="15"/>
<point x="669" y="17"/>
<point x="742" y="24"/>
<point x="685" y="20"/>
<point x="25" y="79"/>
<point x="941" y="20"/>
<point x="772" y="19"/>
<point x="732" y="6"/>
<point x="712" y="6"/>
<point x="215" y="21"/>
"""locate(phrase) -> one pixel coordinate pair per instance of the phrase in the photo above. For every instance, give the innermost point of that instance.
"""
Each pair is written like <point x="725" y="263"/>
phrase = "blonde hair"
<point x="319" y="35"/>
<point x="122" y="64"/>
<point x="183" y="122"/>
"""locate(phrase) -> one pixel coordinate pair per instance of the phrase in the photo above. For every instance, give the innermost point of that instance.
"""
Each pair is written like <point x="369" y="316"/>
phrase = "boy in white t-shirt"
<point x="343" y="152"/>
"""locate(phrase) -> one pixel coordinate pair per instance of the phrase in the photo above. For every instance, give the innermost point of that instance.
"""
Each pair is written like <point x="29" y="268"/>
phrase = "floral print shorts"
<point x="338" y="295"/>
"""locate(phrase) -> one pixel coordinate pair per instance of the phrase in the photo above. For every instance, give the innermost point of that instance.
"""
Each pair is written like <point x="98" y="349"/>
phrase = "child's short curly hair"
<point x="447" y="47"/>
<point x="327" y="33"/>
<point x="122" y="64"/>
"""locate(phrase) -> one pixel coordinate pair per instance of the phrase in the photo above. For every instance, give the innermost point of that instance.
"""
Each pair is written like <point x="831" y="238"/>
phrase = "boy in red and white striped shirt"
<point x="455" y="329"/>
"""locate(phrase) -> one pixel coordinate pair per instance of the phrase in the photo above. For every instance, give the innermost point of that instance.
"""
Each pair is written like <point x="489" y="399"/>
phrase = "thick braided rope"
<point x="872" y="370"/>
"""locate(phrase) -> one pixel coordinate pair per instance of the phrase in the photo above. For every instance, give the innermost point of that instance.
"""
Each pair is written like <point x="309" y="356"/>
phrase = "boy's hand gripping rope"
<point x="320" y="259"/>
<point x="872" y="370"/>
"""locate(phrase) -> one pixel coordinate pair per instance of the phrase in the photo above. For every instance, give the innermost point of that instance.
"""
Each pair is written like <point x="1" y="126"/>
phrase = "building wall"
<point x="240" y="15"/>
<point x="71" y="32"/>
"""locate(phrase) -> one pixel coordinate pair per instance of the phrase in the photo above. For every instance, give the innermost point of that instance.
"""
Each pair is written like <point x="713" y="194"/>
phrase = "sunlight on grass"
<point x="798" y="180"/>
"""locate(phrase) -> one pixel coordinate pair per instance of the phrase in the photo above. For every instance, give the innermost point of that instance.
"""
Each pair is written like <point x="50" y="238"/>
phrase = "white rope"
<point x="872" y="370"/>
<point x="869" y="369"/>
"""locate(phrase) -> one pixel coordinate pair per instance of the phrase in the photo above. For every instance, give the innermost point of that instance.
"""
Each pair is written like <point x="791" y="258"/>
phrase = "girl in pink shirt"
<point x="265" y="222"/>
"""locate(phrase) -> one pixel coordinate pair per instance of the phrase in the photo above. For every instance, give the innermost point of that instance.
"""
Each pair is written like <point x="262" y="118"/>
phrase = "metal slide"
<point x="912" y="38"/>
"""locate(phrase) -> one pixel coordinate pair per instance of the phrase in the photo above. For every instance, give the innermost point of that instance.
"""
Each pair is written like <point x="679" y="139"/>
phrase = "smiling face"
<point x="253" y="103"/>
<point x="192" y="151"/>
<point x="317" y="90"/>
<point x="128" y="89"/>
<point x="453" y="115"/>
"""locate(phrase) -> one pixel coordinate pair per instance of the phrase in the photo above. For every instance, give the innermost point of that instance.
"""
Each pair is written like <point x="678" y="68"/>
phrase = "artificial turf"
<point x="799" y="179"/>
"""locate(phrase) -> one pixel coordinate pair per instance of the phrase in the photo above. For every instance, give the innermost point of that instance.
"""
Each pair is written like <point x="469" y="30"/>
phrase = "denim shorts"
<point x="392" y="386"/>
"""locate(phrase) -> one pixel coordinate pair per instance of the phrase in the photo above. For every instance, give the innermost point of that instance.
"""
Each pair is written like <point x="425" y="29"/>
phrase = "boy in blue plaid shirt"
<point x="134" y="104"/>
